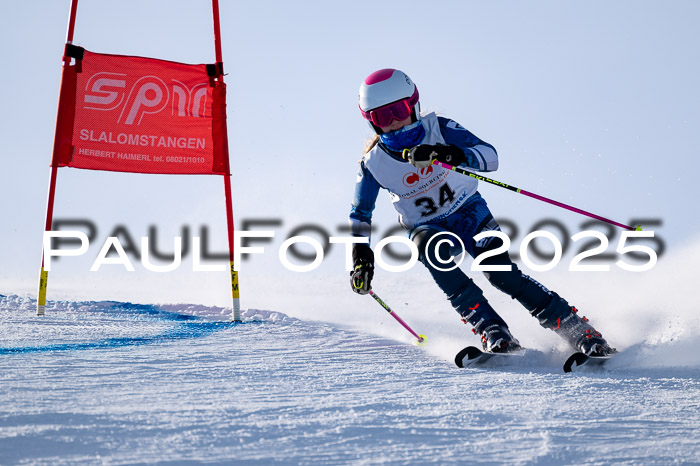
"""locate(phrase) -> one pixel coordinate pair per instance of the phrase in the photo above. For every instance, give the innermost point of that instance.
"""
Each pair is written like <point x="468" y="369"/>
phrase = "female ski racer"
<point x="432" y="201"/>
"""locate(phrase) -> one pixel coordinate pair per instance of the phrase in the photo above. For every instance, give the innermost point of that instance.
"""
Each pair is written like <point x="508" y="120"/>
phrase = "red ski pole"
<point x="462" y="171"/>
<point x="422" y="339"/>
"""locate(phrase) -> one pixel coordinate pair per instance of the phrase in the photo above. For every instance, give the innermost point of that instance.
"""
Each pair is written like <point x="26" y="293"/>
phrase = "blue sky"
<point x="594" y="104"/>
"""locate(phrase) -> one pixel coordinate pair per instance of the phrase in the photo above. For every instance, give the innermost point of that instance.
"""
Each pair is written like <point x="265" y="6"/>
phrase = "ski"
<point x="579" y="360"/>
<point x="473" y="356"/>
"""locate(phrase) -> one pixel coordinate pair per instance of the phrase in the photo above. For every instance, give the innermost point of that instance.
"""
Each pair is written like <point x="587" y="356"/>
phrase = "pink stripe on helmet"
<point x="379" y="76"/>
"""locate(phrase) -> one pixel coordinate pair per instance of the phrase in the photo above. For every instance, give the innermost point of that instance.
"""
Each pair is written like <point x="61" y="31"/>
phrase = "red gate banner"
<point x="141" y="115"/>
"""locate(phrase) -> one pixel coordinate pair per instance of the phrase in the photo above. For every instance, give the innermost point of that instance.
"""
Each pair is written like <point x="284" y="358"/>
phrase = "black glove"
<point x="362" y="268"/>
<point x="422" y="155"/>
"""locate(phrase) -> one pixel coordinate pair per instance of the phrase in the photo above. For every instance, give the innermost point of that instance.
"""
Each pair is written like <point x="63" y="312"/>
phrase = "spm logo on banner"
<point x="149" y="94"/>
<point x="133" y="112"/>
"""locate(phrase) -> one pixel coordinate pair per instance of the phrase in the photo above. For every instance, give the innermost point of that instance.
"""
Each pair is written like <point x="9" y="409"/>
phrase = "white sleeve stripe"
<point x="482" y="160"/>
<point x="488" y="157"/>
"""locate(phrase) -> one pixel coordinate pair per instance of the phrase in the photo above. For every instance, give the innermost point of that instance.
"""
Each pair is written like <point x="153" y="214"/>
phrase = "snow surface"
<point x="115" y="383"/>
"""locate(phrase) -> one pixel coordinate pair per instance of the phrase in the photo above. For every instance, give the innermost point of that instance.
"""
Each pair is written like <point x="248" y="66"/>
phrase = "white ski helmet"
<point x="386" y="95"/>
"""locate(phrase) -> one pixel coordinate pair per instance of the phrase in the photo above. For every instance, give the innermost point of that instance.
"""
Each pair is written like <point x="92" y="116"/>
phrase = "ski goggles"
<point x="399" y="110"/>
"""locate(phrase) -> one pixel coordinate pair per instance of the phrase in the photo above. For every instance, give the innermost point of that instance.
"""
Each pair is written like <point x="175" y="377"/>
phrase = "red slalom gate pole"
<point x="235" y="294"/>
<point x="44" y="274"/>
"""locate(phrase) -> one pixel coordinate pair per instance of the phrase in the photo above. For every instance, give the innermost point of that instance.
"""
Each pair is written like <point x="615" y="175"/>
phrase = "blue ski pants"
<point x="464" y="295"/>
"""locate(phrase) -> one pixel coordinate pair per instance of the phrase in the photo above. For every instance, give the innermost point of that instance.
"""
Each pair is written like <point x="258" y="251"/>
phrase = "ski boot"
<point x="496" y="338"/>
<point x="582" y="336"/>
<point x="565" y="322"/>
<point x="487" y="324"/>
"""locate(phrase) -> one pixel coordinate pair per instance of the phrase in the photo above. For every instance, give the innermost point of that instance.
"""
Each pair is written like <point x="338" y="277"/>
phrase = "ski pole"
<point x="462" y="171"/>
<point x="536" y="196"/>
<point x="422" y="339"/>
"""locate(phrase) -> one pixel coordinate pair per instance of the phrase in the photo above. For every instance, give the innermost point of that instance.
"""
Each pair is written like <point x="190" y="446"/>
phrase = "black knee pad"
<point x="421" y="240"/>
